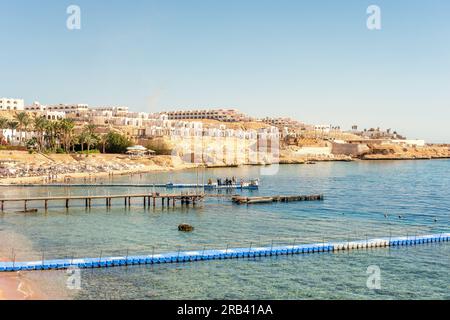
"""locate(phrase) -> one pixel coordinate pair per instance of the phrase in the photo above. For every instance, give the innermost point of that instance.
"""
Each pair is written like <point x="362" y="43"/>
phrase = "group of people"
<point x="226" y="182"/>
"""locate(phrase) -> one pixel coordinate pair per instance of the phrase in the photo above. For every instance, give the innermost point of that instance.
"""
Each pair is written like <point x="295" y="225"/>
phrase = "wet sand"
<point x="27" y="285"/>
<point x="17" y="286"/>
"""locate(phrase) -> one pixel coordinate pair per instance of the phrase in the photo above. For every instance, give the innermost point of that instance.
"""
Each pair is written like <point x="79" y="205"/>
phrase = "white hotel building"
<point x="11" y="104"/>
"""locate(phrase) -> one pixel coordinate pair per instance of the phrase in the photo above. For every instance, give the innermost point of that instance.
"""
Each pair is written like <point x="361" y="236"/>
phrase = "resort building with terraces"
<point x="223" y="115"/>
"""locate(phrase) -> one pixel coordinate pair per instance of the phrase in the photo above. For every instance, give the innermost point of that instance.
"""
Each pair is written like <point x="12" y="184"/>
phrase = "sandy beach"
<point x="23" y="168"/>
<point x="88" y="175"/>
<point x="16" y="286"/>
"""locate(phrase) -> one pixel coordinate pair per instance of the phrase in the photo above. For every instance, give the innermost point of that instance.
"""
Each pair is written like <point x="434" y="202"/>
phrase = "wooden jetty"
<point x="251" y="200"/>
<point x="148" y="199"/>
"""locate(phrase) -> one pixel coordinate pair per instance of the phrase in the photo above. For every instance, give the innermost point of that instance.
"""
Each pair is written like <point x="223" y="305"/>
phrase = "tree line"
<point x="61" y="135"/>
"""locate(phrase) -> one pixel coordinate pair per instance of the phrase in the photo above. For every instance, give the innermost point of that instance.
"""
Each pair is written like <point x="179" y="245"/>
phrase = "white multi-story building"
<point x="69" y="108"/>
<point x="225" y="115"/>
<point x="54" y="115"/>
<point x="11" y="104"/>
<point x="114" y="111"/>
<point x="135" y="122"/>
<point x="36" y="106"/>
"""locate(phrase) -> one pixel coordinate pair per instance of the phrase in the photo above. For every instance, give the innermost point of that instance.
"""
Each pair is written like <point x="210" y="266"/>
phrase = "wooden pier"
<point x="147" y="200"/>
<point x="251" y="200"/>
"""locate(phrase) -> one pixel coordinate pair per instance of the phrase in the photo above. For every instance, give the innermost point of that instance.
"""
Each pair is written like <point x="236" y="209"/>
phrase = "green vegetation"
<point x="116" y="143"/>
<point x="58" y="136"/>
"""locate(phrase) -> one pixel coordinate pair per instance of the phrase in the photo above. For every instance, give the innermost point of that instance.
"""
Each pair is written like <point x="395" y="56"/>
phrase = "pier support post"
<point x="125" y="202"/>
<point x="154" y="201"/>
<point x="67" y="203"/>
<point x="89" y="202"/>
<point x="145" y="202"/>
<point x="25" y="205"/>
<point x="86" y="202"/>
<point x="3" y="205"/>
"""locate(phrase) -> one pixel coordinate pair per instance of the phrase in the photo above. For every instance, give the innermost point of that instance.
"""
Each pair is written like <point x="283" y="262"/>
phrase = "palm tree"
<point x="74" y="140"/>
<point x="52" y="133"/>
<point x="40" y="125"/>
<point x="12" y="125"/>
<point x="103" y="141"/>
<point x="90" y="141"/>
<point x="82" y="137"/>
<point x="26" y="121"/>
<point x="90" y="128"/>
<point x="23" y="120"/>
<point x="3" y="125"/>
<point x="88" y="136"/>
<point x="66" y="127"/>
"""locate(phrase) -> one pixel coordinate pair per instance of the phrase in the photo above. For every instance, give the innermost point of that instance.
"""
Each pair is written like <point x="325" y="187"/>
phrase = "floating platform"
<point x="251" y="200"/>
<point x="202" y="255"/>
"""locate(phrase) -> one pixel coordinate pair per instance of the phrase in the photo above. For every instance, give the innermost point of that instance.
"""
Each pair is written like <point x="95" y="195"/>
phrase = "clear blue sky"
<point x="313" y="60"/>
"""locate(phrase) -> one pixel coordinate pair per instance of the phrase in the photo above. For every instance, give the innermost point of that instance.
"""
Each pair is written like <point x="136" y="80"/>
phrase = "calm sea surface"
<point x="358" y="195"/>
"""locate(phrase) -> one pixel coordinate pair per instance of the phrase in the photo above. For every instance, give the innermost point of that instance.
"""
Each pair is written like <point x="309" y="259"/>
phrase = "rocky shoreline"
<point x="374" y="152"/>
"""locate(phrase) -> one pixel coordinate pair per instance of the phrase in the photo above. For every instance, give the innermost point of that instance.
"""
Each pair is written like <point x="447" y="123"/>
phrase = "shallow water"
<point x="357" y="197"/>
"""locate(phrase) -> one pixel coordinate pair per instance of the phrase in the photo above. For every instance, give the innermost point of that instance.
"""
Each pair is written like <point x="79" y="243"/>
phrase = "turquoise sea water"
<point x="357" y="197"/>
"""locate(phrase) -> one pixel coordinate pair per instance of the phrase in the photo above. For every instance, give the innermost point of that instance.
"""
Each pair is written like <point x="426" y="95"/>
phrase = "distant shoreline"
<point x="92" y="177"/>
